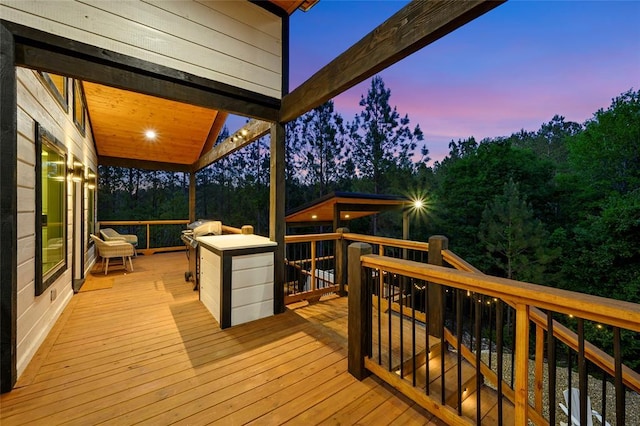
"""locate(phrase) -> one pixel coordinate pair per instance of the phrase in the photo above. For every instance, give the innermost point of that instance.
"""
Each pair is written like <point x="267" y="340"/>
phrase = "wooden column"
<point x="437" y="243"/>
<point x="341" y="261"/>
<point x="276" y="211"/>
<point x="192" y="196"/>
<point x="8" y="211"/>
<point x="521" y="370"/>
<point x="359" y="301"/>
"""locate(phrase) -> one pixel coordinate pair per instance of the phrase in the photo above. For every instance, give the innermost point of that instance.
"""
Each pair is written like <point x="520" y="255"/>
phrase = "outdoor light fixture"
<point x="91" y="180"/>
<point x="314" y="216"/>
<point x="150" y="134"/>
<point x="76" y="173"/>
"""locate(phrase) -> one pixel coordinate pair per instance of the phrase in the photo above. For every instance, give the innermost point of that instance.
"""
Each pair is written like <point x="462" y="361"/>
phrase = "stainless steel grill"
<point x="195" y="229"/>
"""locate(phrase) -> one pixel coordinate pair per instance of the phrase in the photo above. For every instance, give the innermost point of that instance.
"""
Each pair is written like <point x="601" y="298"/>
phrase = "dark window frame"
<point x="62" y="98"/>
<point x="79" y="102"/>
<point x="42" y="281"/>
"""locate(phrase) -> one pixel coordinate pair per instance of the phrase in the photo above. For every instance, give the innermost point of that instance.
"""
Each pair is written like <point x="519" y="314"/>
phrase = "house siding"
<point x="233" y="42"/>
<point x="37" y="315"/>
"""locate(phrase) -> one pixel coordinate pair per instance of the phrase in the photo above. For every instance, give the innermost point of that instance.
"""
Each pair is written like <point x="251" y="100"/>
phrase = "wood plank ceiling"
<point x="184" y="132"/>
<point x="120" y="119"/>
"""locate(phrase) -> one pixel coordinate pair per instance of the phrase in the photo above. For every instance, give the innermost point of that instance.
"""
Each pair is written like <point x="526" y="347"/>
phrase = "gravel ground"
<point x="632" y="399"/>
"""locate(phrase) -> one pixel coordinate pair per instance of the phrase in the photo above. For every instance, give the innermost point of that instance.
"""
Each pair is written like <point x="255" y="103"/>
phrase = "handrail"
<point x="305" y="238"/>
<point x="617" y="313"/>
<point x="459" y="263"/>
<point x="594" y="354"/>
<point x="148" y="223"/>
<point x="386" y="241"/>
<point x="143" y="222"/>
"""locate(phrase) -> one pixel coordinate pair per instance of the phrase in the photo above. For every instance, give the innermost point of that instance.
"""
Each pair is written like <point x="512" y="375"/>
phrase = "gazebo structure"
<point x="338" y="208"/>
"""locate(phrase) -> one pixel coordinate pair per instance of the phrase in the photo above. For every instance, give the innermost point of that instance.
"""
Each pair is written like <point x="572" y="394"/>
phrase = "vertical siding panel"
<point x="37" y="315"/>
<point x="237" y="43"/>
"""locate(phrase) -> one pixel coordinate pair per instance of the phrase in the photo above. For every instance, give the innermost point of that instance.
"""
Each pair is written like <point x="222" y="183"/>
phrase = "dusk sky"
<point x="513" y="68"/>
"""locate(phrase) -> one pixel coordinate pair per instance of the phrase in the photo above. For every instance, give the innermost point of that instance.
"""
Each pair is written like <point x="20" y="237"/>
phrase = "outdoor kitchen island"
<point x="236" y="277"/>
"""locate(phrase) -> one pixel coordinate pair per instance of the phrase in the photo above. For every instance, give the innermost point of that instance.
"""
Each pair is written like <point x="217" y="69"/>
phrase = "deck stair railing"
<point x="473" y="348"/>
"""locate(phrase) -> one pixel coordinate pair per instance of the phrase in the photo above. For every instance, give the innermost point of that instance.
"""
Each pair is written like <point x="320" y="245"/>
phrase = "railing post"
<point x="521" y="370"/>
<point x="437" y="243"/>
<point x="358" y="300"/>
<point x="341" y="261"/>
<point x="246" y="230"/>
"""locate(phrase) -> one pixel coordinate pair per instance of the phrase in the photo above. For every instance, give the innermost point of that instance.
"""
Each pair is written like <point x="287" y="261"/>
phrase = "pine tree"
<point x="514" y="239"/>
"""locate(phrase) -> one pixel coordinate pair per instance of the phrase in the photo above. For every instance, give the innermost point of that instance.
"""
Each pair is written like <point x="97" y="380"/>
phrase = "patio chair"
<point x="111" y="249"/>
<point x="575" y="409"/>
<point x="110" y="234"/>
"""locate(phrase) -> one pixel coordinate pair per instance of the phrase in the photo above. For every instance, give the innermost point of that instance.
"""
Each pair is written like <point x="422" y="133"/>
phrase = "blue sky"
<point x="513" y="68"/>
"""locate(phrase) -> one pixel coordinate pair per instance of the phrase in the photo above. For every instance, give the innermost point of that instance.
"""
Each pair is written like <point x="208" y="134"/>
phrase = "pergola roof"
<point x="349" y="205"/>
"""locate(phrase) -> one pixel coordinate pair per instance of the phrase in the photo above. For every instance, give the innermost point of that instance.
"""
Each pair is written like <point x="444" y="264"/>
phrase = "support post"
<point x="341" y="261"/>
<point x="192" y="196"/>
<point x="437" y="243"/>
<point x="359" y="302"/>
<point x="276" y="212"/>
<point x="8" y="211"/>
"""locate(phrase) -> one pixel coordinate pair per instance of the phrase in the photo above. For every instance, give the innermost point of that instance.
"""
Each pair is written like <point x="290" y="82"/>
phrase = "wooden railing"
<point x="166" y="230"/>
<point x="171" y="230"/>
<point x="402" y="279"/>
<point x="310" y="266"/>
<point x="316" y="263"/>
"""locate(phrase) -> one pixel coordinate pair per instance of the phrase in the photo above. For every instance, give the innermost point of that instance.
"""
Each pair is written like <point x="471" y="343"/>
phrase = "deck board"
<point x="147" y="351"/>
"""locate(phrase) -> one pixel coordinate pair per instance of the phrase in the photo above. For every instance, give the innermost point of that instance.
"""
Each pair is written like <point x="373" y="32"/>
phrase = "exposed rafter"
<point x="413" y="27"/>
<point x="251" y="131"/>
<point x="214" y="132"/>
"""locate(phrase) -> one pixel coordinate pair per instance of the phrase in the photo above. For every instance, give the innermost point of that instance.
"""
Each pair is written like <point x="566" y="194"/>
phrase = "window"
<point x="57" y="85"/>
<point x="51" y="211"/>
<point x="79" y="107"/>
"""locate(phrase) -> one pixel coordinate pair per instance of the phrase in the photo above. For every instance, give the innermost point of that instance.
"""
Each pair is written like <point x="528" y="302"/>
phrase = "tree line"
<point x="559" y="206"/>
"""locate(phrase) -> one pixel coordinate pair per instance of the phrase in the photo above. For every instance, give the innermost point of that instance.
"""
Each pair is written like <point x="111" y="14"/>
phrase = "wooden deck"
<point x="147" y="351"/>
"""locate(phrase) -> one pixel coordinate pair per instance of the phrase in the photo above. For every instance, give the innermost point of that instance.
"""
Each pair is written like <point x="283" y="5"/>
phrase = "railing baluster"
<point x="551" y="368"/>
<point x="478" y="307"/>
<point x="604" y="399"/>
<point x="459" y="354"/>
<point x="401" y="281"/>
<point x="426" y="335"/>
<point x="389" y="330"/>
<point x="582" y="371"/>
<point x="443" y="344"/>
<point x="539" y="366"/>
<point x="490" y="331"/>
<point x="413" y="332"/>
<point x="569" y="374"/>
<point x="513" y="345"/>
<point x="313" y="266"/>
<point x="620" y="394"/>
<point x="499" y="354"/>
<point x="378" y="282"/>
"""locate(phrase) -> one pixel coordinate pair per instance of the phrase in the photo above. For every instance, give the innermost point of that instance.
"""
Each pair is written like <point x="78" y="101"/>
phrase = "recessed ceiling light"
<point x="346" y="216"/>
<point x="315" y="216"/>
<point x="150" y="134"/>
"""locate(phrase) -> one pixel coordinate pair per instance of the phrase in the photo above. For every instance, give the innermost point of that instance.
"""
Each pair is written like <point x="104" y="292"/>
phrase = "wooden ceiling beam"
<point x="216" y="128"/>
<point x="47" y="52"/>
<point x="413" y="27"/>
<point x="251" y="131"/>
